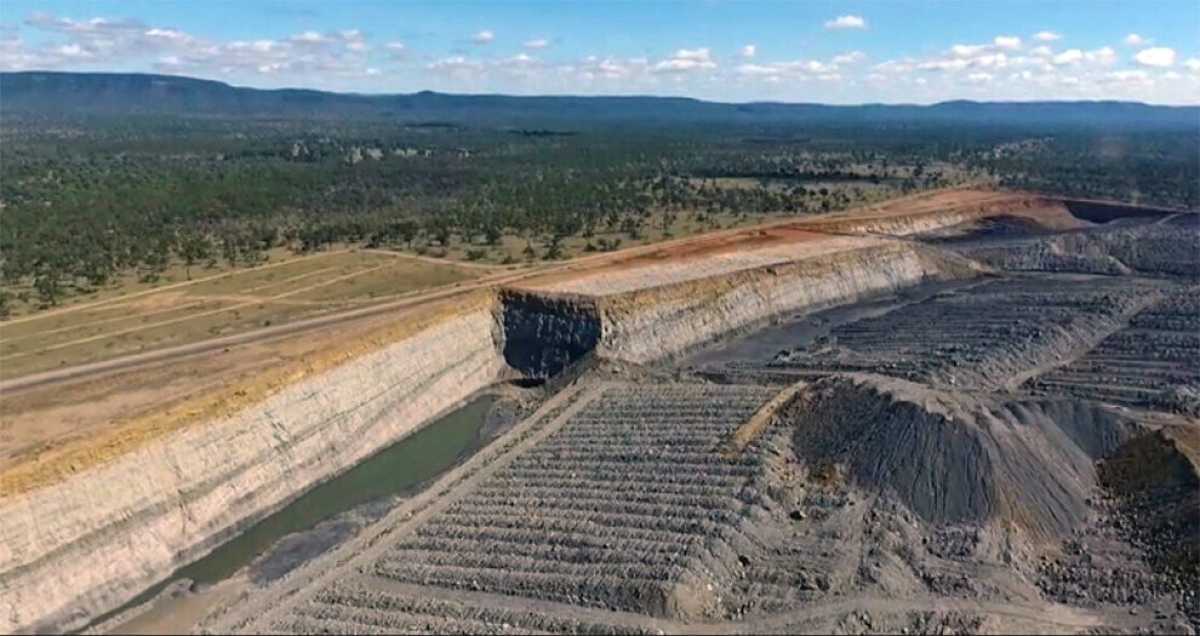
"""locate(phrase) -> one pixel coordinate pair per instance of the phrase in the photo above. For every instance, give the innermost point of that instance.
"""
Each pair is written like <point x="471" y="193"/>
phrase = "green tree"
<point x="193" y="247"/>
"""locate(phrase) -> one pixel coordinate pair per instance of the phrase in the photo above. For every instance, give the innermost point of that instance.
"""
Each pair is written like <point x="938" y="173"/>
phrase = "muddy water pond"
<point x="329" y="513"/>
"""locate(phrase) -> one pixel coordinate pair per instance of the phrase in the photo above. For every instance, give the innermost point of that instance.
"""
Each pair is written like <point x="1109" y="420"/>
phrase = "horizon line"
<point x="608" y="95"/>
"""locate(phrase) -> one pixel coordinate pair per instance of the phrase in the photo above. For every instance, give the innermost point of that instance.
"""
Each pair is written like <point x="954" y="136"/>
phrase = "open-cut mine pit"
<point x="967" y="414"/>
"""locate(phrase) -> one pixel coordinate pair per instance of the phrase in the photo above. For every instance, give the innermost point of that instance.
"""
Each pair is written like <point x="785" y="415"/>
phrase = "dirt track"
<point x="260" y="335"/>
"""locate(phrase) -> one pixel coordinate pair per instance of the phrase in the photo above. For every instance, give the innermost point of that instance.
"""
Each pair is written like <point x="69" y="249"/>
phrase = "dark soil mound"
<point x="954" y="458"/>
<point x="1156" y="480"/>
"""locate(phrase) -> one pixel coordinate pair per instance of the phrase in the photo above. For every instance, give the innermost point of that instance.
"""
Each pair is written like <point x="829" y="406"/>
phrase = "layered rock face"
<point x="543" y="333"/>
<point x="652" y="324"/>
<point x="75" y="549"/>
<point x="650" y="311"/>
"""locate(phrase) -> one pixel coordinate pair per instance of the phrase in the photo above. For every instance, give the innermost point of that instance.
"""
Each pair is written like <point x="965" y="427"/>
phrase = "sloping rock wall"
<point x="657" y="323"/>
<point x="78" y="548"/>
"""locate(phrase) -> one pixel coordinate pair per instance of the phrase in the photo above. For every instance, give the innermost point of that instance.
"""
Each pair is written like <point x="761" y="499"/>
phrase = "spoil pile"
<point x="953" y="458"/>
<point x="1166" y="246"/>
<point x="982" y="337"/>
<point x="630" y="507"/>
<point x="1153" y="362"/>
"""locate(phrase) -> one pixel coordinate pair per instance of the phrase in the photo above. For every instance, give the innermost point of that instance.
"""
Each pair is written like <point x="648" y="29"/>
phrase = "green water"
<point x="397" y="469"/>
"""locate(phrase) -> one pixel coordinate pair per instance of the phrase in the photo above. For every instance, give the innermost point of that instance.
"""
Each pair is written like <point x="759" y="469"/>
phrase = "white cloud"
<point x="800" y="69"/>
<point x="979" y="78"/>
<point x="485" y="36"/>
<point x="1135" y="77"/>
<point x="904" y="65"/>
<point x="1159" y="56"/>
<point x="944" y="65"/>
<point x="1193" y="64"/>
<point x="612" y="69"/>
<point x="998" y="60"/>
<point x="758" y="69"/>
<point x="170" y="35"/>
<point x="521" y="65"/>
<point x="307" y="37"/>
<point x="1134" y="39"/>
<point x="967" y="50"/>
<point x="94" y="26"/>
<point x="455" y="64"/>
<point x="846" y="22"/>
<point x="396" y="49"/>
<point x="1009" y="42"/>
<point x="1105" y="56"/>
<point x="335" y="54"/>
<point x="539" y="43"/>
<point x="853" y="57"/>
<point x="695" y="55"/>
<point x="73" y="50"/>
<point x="1046" y="36"/>
<point x="749" y="51"/>
<point x="686" y="60"/>
<point x="1041" y="51"/>
<point x="809" y="66"/>
<point x="1070" y="56"/>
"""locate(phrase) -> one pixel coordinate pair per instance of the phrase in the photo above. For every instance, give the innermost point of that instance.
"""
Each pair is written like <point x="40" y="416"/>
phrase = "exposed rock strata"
<point x="83" y="546"/>
<point x="544" y="333"/>
<point x="656" y="323"/>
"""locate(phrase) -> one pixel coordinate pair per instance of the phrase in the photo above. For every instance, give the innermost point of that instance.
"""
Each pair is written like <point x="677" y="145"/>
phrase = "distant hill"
<point x="73" y="94"/>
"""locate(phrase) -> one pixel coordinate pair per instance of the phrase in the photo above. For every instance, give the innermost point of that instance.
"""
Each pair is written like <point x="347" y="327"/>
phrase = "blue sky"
<point x="837" y="52"/>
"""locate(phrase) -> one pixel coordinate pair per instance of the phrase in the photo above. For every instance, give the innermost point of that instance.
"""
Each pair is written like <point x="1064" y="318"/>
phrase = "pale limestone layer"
<point x="71" y="551"/>
<point x="667" y="321"/>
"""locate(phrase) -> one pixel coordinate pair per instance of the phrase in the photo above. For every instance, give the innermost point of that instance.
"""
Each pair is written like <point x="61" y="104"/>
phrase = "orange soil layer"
<point x="974" y="203"/>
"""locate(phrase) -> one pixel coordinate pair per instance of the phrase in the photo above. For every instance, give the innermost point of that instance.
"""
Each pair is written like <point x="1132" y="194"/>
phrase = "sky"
<point x="895" y="51"/>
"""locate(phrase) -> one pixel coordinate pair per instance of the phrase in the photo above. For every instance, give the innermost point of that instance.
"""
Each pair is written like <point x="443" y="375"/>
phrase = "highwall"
<point x="1048" y="211"/>
<point x="74" y="549"/>
<point x="663" y="322"/>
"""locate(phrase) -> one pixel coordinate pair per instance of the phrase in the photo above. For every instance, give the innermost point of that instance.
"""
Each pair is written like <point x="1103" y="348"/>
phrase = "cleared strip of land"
<point x="223" y="305"/>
